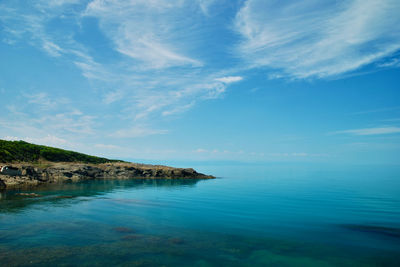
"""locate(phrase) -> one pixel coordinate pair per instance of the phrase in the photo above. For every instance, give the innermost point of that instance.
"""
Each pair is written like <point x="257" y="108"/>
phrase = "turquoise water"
<point x="252" y="215"/>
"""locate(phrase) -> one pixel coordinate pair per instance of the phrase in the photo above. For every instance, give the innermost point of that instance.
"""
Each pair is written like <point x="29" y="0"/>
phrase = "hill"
<point x="21" y="151"/>
<point x="37" y="165"/>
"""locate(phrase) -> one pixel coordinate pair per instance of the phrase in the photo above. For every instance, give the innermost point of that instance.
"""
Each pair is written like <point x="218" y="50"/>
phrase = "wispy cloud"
<point x="29" y="22"/>
<point x="156" y="71"/>
<point x="371" y="131"/>
<point x="42" y="100"/>
<point x="49" y="140"/>
<point x="394" y="62"/>
<point x="138" y="131"/>
<point x="392" y="120"/>
<point x="379" y="110"/>
<point x="317" y="39"/>
<point x="44" y="119"/>
<point x="229" y="79"/>
<point x="205" y="5"/>
<point x="107" y="147"/>
<point x="178" y="109"/>
<point x="52" y="49"/>
<point x="113" y="96"/>
<point x="59" y="124"/>
<point x="150" y="41"/>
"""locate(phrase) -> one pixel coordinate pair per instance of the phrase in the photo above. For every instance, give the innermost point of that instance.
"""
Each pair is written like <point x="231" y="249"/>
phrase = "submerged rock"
<point x="124" y="230"/>
<point x="131" y="237"/>
<point x="267" y="258"/>
<point x="176" y="241"/>
<point x="375" y="229"/>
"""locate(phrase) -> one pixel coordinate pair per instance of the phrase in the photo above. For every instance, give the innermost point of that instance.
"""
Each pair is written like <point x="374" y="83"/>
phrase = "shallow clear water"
<point x="252" y="215"/>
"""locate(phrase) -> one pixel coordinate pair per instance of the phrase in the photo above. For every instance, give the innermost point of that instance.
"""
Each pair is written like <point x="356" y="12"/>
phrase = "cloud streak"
<point x="311" y="39"/>
<point x="45" y="119"/>
<point x="145" y="30"/>
<point x="137" y="131"/>
<point x="229" y="79"/>
<point x="371" y="131"/>
<point x="156" y="69"/>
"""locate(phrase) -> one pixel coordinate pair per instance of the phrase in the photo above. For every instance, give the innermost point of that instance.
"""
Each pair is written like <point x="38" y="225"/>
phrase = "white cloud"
<point x="371" y="131"/>
<point x="42" y="100"/>
<point x="387" y="109"/>
<point x="230" y="79"/>
<point x="392" y="120"/>
<point x="52" y="49"/>
<point x="60" y="123"/>
<point x="11" y="138"/>
<point x="112" y="97"/>
<point x="394" y="62"/>
<point x="48" y="140"/>
<point x="178" y="109"/>
<point x="67" y="122"/>
<point x="214" y="90"/>
<point x="205" y="5"/>
<point x="91" y="69"/>
<point x="317" y="38"/>
<point x="145" y="30"/>
<point x="108" y="147"/>
<point x="138" y="131"/>
<point x="55" y="3"/>
<point x="30" y="21"/>
<point x="63" y="118"/>
<point x="158" y="73"/>
<point x="42" y="115"/>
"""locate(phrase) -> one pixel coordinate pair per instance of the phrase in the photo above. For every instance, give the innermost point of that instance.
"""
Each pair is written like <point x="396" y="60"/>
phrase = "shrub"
<point x="21" y="151"/>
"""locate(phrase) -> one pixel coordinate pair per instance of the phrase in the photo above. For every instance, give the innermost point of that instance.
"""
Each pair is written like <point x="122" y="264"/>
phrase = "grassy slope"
<point x="20" y="151"/>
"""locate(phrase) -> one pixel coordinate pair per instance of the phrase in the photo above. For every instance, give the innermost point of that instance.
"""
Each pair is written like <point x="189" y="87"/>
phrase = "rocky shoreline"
<point x="34" y="174"/>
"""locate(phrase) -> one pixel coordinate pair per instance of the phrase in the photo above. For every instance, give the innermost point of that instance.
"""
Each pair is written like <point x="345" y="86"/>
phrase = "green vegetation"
<point x="20" y="151"/>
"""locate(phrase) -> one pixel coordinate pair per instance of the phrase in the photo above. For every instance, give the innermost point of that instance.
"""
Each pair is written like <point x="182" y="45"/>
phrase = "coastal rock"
<point x="35" y="174"/>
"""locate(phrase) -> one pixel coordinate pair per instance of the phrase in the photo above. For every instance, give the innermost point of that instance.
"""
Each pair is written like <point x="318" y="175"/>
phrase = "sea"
<point x="252" y="214"/>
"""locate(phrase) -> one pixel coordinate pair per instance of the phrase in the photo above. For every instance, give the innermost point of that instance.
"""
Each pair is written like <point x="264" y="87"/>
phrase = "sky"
<point x="204" y="80"/>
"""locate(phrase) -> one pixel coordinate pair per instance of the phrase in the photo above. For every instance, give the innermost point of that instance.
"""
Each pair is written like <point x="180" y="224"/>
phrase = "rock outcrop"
<point x="36" y="174"/>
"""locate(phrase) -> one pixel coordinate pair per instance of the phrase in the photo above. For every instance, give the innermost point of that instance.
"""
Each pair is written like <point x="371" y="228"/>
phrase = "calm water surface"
<point x="253" y="215"/>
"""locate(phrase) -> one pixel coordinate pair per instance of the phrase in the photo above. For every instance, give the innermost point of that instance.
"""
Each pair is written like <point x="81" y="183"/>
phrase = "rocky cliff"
<point x="35" y="174"/>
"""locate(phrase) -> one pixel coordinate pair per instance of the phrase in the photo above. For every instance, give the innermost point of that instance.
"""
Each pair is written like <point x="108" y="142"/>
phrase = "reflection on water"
<point x="275" y="216"/>
<point x="15" y="200"/>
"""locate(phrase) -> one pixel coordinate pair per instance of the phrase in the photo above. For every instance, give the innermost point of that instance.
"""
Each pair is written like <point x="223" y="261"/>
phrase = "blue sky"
<point x="252" y="81"/>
